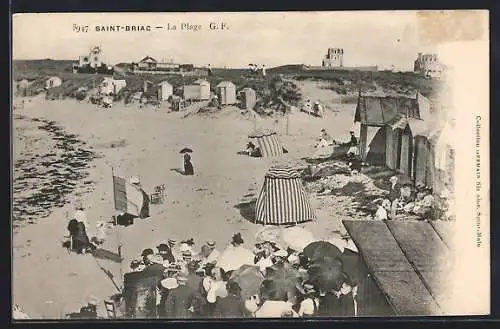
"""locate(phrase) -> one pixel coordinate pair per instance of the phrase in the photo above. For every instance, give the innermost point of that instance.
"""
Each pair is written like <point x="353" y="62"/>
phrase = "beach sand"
<point x="49" y="282"/>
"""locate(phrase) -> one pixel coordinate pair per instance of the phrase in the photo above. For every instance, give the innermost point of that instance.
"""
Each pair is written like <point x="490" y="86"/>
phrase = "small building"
<point x="147" y="63"/>
<point x="226" y="92"/>
<point x="386" y="135"/>
<point x="165" y="90"/>
<point x="429" y="65"/>
<point x="333" y="58"/>
<point x="198" y="90"/>
<point x="53" y="82"/>
<point x="248" y="98"/>
<point x="110" y="86"/>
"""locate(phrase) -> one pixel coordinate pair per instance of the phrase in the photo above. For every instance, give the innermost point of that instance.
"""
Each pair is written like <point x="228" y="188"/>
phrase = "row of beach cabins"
<point x="199" y="90"/>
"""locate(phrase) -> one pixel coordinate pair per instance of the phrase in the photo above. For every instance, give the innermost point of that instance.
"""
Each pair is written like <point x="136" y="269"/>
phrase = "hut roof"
<point x="261" y="133"/>
<point x="148" y="59"/>
<point x="381" y="110"/>
<point x="164" y="83"/>
<point x="282" y="171"/>
<point x="407" y="259"/>
<point x="225" y="84"/>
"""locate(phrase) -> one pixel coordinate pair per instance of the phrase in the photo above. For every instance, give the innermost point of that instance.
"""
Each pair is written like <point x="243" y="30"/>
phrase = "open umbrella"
<point x="186" y="150"/>
<point x="249" y="278"/>
<point x="297" y="238"/>
<point x="281" y="282"/>
<point x="233" y="258"/>
<point x="321" y="249"/>
<point x="326" y="274"/>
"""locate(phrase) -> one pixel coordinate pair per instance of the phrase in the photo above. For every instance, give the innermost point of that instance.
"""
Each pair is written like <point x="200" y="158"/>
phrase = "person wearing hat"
<point x="165" y="286"/>
<point x="382" y="207"/>
<point x="155" y="267"/>
<point x="214" y="254"/>
<point x="340" y="300"/>
<point x="232" y="305"/>
<point x="80" y="214"/>
<point x="394" y="195"/>
<point x="145" y="253"/>
<point x="309" y="306"/>
<point x="165" y="252"/>
<point x="317" y="109"/>
<point x="179" y="302"/>
<point x="90" y="310"/>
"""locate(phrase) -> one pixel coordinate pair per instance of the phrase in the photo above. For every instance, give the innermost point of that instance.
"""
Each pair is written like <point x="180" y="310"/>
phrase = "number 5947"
<point x="80" y="28"/>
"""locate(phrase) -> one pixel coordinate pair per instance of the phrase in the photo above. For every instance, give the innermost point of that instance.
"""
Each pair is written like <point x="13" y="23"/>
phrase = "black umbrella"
<point x="321" y="249"/>
<point x="186" y="150"/>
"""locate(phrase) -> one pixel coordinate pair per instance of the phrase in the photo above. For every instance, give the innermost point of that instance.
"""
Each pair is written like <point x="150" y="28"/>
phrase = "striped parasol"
<point x="283" y="199"/>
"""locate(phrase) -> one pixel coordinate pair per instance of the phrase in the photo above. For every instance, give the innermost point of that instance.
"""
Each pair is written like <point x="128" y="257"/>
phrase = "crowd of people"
<point x="265" y="281"/>
<point x="407" y="200"/>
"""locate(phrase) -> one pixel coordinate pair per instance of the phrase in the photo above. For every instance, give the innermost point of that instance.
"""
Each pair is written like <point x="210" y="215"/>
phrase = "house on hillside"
<point x="429" y="65"/>
<point x="226" y="92"/>
<point x="147" y="63"/>
<point x="53" y="82"/>
<point x="388" y="126"/>
<point x="165" y="90"/>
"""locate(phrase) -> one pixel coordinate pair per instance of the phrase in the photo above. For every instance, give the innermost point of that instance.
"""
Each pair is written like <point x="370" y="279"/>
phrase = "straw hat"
<point x="184" y="247"/>
<point x="281" y="253"/>
<point x="393" y="179"/>
<point x="211" y="243"/>
<point x="171" y="242"/>
<point x="169" y="283"/>
<point x="157" y="259"/>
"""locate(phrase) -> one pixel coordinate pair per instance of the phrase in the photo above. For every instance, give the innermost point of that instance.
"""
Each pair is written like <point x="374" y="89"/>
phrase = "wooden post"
<point x="117" y="232"/>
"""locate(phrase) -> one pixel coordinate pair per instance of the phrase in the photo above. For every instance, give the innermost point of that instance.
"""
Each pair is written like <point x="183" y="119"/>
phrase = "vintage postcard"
<point x="250" y="165"/>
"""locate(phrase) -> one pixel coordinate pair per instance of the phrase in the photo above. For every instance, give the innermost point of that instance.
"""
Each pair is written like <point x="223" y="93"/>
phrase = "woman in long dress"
<point x="188" y="166"/>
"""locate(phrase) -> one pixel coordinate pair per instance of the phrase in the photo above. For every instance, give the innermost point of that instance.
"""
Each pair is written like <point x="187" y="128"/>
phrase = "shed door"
<point x="223" y="95"/>
<point x="405" y="162"/>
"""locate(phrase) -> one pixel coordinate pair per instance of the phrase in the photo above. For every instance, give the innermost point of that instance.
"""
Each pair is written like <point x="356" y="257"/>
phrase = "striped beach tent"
<point x="268" y="143"/>
<point x="283" y="199"/>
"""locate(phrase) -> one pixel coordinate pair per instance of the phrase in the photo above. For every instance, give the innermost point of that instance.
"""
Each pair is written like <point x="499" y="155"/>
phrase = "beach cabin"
<point x="248" y="98"/>
<point x="226" y="92"/>
<point x="110" y="86"/>
<point x="165" y="91"/>
<point x="386" y="136"/>
<point x="53" y="82"/>
<point x="198" y="90"/>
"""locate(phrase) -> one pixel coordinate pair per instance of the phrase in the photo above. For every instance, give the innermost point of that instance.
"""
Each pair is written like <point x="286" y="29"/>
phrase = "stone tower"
<point x="334" y="58"/>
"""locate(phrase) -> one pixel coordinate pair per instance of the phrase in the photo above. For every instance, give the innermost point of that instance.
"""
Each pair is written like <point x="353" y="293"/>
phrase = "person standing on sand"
<point x="394" y="195"/>
<point x="188" y="166"/>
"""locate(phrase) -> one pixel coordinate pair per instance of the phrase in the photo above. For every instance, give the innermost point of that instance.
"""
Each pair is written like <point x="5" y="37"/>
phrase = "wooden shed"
<point x="165" y="91"/>
<point x="226" y="92"/>
<point x="198" y="90"/>
<point x="248" y="98"/>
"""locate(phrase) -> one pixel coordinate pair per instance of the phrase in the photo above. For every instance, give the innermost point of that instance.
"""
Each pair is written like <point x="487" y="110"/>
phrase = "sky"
<point x="379" y="38"/>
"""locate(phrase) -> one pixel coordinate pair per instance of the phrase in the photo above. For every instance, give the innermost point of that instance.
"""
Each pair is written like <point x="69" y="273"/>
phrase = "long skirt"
<point x="188" y="168"/>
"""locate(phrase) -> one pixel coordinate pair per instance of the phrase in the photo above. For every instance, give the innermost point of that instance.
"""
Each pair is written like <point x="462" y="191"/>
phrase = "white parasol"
<point x="297" y="238"/>
<point x="233" y="258"/>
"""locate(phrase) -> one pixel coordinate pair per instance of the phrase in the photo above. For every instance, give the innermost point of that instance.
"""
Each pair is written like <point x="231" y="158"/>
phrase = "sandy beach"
<point x="146" y="143"/>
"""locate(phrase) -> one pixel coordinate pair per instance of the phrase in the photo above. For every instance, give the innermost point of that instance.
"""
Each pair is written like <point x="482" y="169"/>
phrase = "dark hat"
<point x="238" y="239"/>
<point x="147" y="252"/>
<point x="163" y="247"/>
<point x="189" y="242"/>
<point x="323" y="129"/>
<point x="211" y="243"/>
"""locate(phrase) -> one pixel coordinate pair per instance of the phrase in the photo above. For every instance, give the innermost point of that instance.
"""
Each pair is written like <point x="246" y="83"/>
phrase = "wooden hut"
<point x="165" y="91"/>
<point x="226" y="92"/>
<point x="198" y="90"/>
<point x="248" y="98"/>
